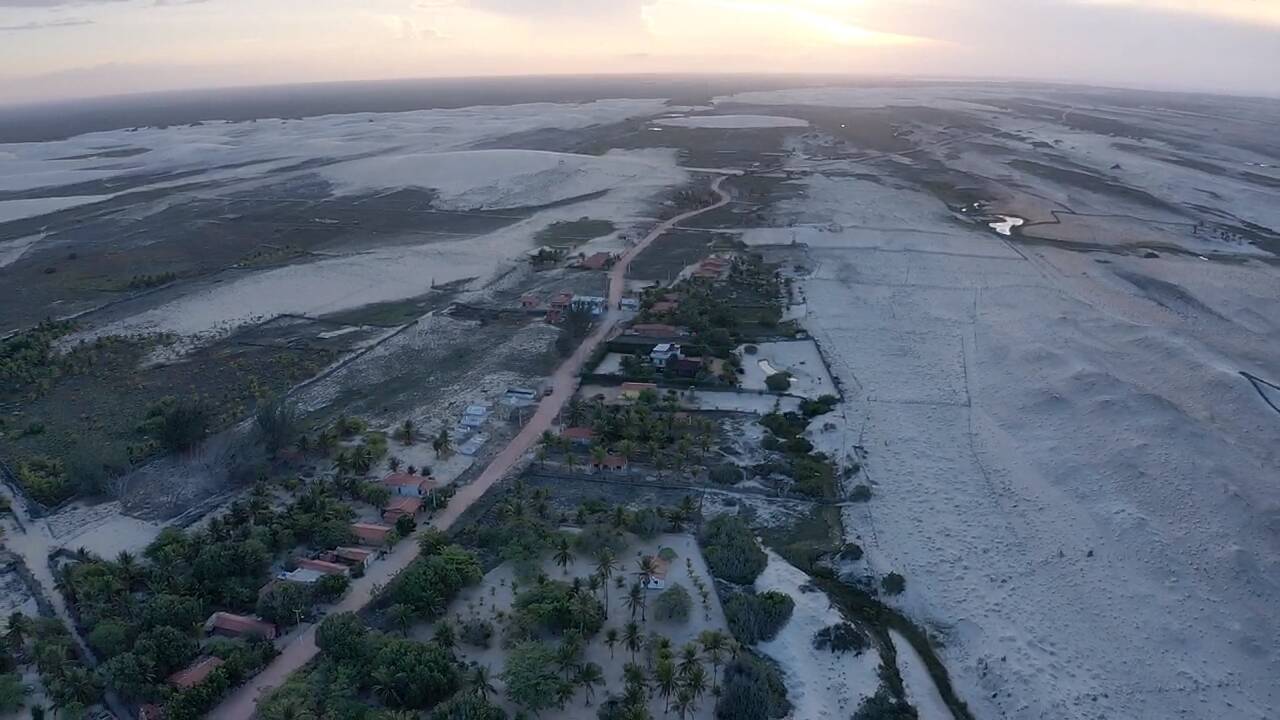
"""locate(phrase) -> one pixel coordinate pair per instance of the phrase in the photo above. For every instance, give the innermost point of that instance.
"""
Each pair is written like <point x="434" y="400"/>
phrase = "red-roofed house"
<point x="611" y="463"/>
<point x="562" y="300"/>
<point x="353" y="556"/>
<point x="323" y="566"/>
<point x="232" y="625"/>
<point x="405" y="485"/>
<point x="529" y="302"/>
<point x="578" y="435"/>
<point x="401" y="507"/>
<point x="371" y="533"/>
<point x="598" y="261"/>
<point x="658" y="579"/>
<point x="663" y="307"/>
<point x="197" y="673"/>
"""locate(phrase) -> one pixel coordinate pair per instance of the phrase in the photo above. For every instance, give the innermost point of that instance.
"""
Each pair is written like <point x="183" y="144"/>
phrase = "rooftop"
<point x="196" y="673"/>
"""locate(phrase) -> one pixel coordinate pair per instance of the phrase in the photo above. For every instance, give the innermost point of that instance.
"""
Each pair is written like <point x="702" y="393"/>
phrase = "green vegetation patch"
<point x="731" y="550"/>
<point x="573" y="232"/>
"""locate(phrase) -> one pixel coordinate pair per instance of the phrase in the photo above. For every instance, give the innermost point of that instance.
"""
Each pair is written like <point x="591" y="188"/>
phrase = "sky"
<point x="62" y="49"/>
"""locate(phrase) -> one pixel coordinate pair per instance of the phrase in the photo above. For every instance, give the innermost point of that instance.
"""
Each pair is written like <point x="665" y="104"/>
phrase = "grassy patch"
<point x="573" y="232"/>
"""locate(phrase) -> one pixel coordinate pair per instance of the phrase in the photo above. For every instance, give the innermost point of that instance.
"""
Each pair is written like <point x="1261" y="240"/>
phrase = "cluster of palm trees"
<point x="654" y="431"/>
<point x="47" y="643"/>
<point x="680" y="679"/>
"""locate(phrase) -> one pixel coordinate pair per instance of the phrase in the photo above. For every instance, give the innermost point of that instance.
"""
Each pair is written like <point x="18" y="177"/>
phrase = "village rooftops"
<point x="238" y="625"/>
<point x="324" y="566"/>
<point x="659" y="330"/>
<point x="353" y="555"/>
<point x="401" y="507"/>
<point x="412" y="485"/>
<point x="612" y="462"/>
<point x="664" y="306"/>
<point x="370" y="533"/>
<point x="196" y="673"/>
<point x="578" y="434"/>
<point x="598" y="261"/>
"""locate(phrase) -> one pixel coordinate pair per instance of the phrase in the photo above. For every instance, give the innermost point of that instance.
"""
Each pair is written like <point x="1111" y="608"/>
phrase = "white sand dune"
<point x="733" y="122"/>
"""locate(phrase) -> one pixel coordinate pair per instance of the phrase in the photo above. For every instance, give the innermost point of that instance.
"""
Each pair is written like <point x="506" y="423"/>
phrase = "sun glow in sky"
<point x="67" y="48"/>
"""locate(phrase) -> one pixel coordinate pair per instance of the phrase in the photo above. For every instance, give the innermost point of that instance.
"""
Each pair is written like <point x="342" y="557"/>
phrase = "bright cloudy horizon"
<point x="63" y="49"/>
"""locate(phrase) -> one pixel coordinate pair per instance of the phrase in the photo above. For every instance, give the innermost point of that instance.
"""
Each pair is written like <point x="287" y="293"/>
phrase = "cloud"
<point x="68" y="22"/>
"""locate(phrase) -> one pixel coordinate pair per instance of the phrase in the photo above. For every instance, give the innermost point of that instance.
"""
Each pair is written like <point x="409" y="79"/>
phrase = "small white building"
<point x="597" y="305"/>
<point x="658" y="580"/>
<point x="475" y="416"/>
<point x="305" y="576"/>
<point x="663" y="354"/>
<point x="629" y="303"/>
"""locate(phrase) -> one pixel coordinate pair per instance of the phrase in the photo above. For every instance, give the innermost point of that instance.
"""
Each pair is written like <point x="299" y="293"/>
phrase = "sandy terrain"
<point x="732" y="122"/>
<point x="809" y="376"/>
<point x="494" y="594"/>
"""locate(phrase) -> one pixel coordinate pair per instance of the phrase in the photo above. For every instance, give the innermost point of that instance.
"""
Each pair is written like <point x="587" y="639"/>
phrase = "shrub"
<point x="284" y="603"/>
<point x="757" y="617"/>
<point x="860" y="493"/>
<point x="841" y="638"/>
<point x="851" y="551"/>
<point x="821" y="406"/>
<point x="884" y="706"/>
<point x="183" y="425"/>
<point x="553" y="606"/>
<point x="726" y="474"/>
<point x="531" y="677"/>
<point x="646" y="523"/>
<point x="778" y="382"/>
<point x="330" y="587"/>
<point x="673" y="604"/>
<point x="467" y="706"/>
<point x="752" y="689"/>
<point x="476" y="632"/>
<point x="750" y="349"/>
<point x="893" y="583"/>
<point x="731" y="550"/>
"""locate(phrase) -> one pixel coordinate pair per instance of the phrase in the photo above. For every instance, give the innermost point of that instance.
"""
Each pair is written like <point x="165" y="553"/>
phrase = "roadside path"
<point x="242" y="702"/>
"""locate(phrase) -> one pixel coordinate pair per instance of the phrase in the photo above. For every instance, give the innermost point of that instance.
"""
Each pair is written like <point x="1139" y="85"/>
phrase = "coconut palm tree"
<point x="631" y="637"/>
<point x="568" y="653"/>
<point x="362" y="459"/>
<point x="633" y="600"/>
<point x="598" y="455"/>
<point x="610" y="639"/>
<point x="593" y="584"/>
<point x="684" y="703"/>
<point x="564" y="555"/>
<point x="696" y="681"/>
<point x="401" y="616"/>
<point x="406" y="432"/>
<point x="442" y="444"/>
<point x="571" y="461"/>
<point x="481" y="682"/>
<point x="713" y="645"/>
<point x="605" y="567"/>
<point x="574" y="412"/>
<point x="688" y="659"/>
<point x="19" y="631"/>
<point x="590" y="675"/>
<point x="664" y="675"/>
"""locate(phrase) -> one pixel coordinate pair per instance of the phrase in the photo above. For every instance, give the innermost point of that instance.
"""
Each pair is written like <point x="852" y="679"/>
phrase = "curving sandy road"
<point x="241" y="704"/>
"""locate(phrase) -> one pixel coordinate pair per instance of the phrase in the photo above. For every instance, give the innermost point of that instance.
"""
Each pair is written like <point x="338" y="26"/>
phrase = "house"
<point x="629" y="303"/>
<point x="232" y="625"/>
<point x="475" y="416"/>
<point x="405" y="485"/>
<point x="354" y="556"/>
<point x="530" y="302"/>
<point x="663" y="354"/>
<point x="591" y="303"/>
<point x="579" y="435"/>
<point x="371" y="533"/>
<point x="662" y="307"/>
<point x="684" y="367"/>
<point x="654" y="330"/>
<point x="401" y="507"/>
<point x="658" y="579"/>
<point x="632" y="390"/>
<point x="195" y="674"/>
<point x="520" y="397"/>
<point x="302" y="576"/>
<point x="611" y="463"/>
<point x="562" y="300"/>
<point x="554" y="316"/>
<point x="598" y="261"/>
<point x="324" y="566"/>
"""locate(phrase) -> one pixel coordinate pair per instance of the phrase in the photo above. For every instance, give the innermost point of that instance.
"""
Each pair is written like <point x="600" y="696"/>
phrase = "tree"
<point x="109" y="638"/>
<point x="530" y="676"/>
<point x="631" y="637"/>
<point x="731" y="550"/>
<point x="674" y="603"/>
<point x="634" y="599"/>
<point x="284" y="603"/>
<point x="590" y="675"/>
<point x="442" y="444"/>
<point x="664" y="673"/>
<point x="480" y="682"/>
<point x="406" y="432"/>
<point x="132" y="675"/>
<point x="893" y="583"/>
<point x="467" y="706"/>
<point x="684" y="703"/>
<point x="564" y="555"/>
<point x="13" y="693"/>
<point x="401" y="617"/>
<point x="277" y="423"/>
<point x="343" y="637"/>
<point x="16" y="635"/>
<point x="778" y="382"/>
<point x="752" y="690"/>
<point x="183" y="425"/>
<point x="611" y="639"/>
<point x="696" y="681"/>
<point x="605" y="567"/>
<point x="714" y="645"/>
<point x="408" y="674"/>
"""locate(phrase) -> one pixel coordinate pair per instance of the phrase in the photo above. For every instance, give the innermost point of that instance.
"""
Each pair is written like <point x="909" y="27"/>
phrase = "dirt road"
<point x="241" y="704"/>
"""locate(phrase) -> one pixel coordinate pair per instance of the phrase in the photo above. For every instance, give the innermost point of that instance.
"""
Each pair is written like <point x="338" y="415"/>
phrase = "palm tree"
<point x="696" y="681"/>
<point x="19" y="629"/>
<point x="684" y="703"/>
<point x="593" y="584"/>
<point x="687" y="507"/>
<point x="633" y="599"/>
<point x="627" y="449"/>
<point x="564" y="694"/>
<point x="362" y="459"/>
<point x="605" y="566"/>
<point x="564" y="555"/>
<point x="567" y="654"/>
<point x="571" y="461"/>
<point x="394" y="463"/>
<point x="713" y="644"/>
<point x="688" y="659"/>
<point x="442" y="444"/>
<point x="590" y="675"/>
<point x="610" y="639"/>
<point x="401" y="617"/>
<point x="406" y="432"/>
<point x="665" y="675"/>
<point x="631" y="636"/>
<point x="598" y="456"/>
<point x="480" y="682"/>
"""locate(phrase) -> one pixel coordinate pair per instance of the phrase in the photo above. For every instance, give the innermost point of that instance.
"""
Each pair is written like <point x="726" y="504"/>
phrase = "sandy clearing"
<point x="801" y="358"/>
<point x="733" y="122"/>
<point x="819" y="683"/>
<point x="921" y="692"/>
<point x="35" y="207"/>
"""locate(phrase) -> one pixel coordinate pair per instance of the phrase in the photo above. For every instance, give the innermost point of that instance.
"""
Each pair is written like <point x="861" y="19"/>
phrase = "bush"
<point x="752" y="690"/>
<point x="673" y="604"/>
<point x="531" y="677"/>
<point x="778" y="382"/>
<point x="476" y="632"/>
<point x="726" y="474"/>
<point x="646" y="523"/>
<point x="553" y="606"/>
<point x="893" y="584"/>
<point x="754" y="618"/>
<point x="750" y="350"/>
<point x="851" y="551"/>
<point x="183" y="425"/>
<point x="731" y="550"/>
<point x="330" y="587"/>
<point x="467" y="706"/>
<point x="823" y="405"/>
<point x="884" y="706"/>
<point x="109" y="638"/>
<point x="841" y="638"/>
<point x="860" y="493"/>
<point x="284" y="603"/>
